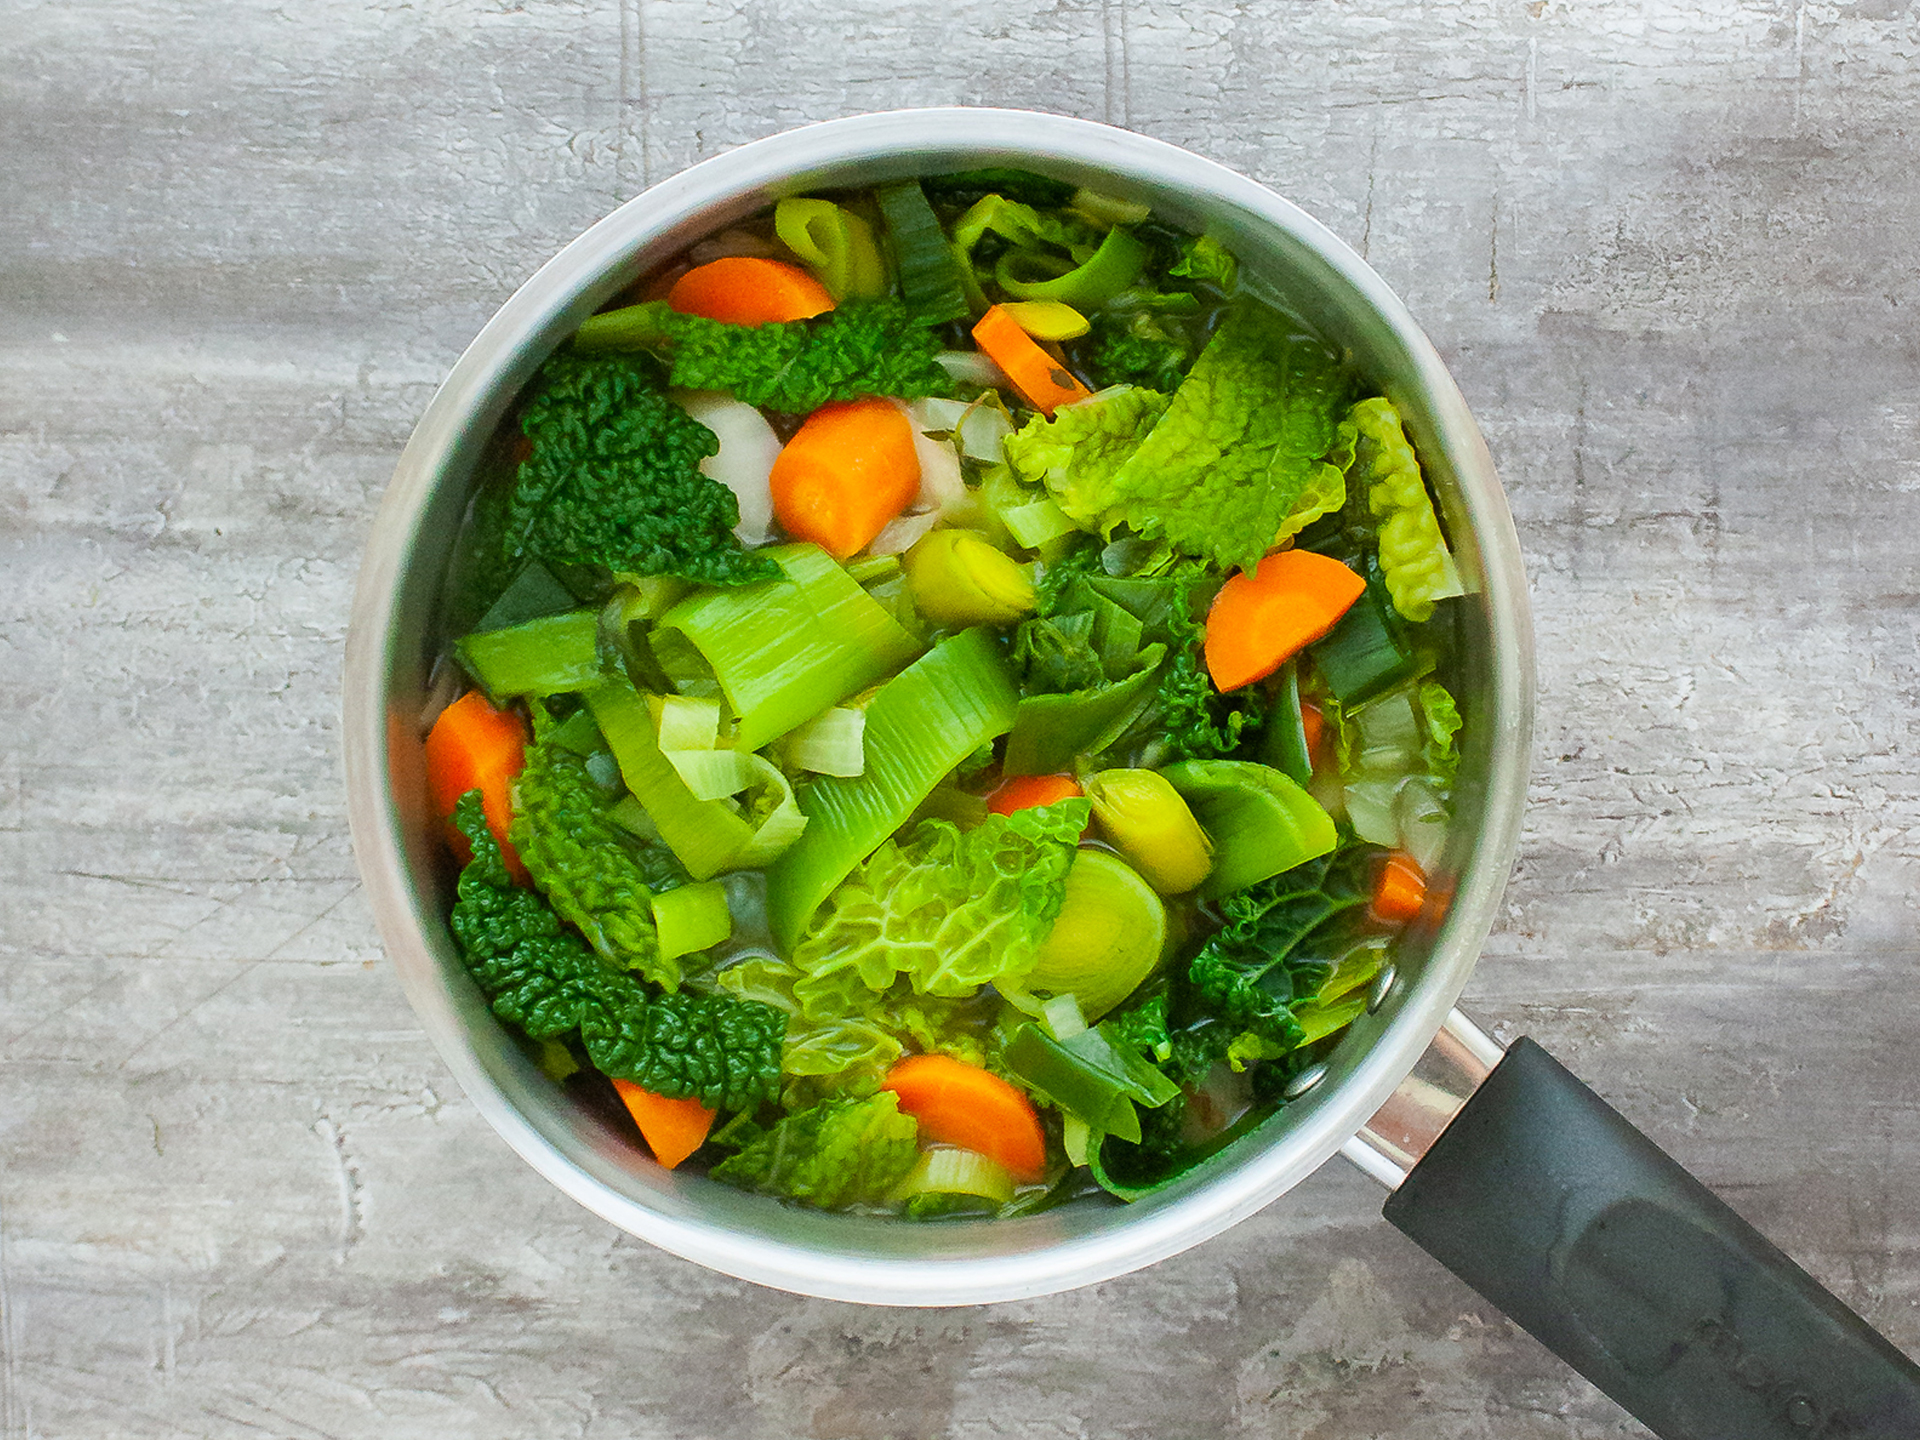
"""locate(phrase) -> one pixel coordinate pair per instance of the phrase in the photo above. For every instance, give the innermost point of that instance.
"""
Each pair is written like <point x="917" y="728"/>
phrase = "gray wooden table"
<point x="1669" y="250"/>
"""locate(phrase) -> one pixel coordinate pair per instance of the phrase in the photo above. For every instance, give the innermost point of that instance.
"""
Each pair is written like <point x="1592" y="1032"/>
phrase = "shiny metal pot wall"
<point x="393" y="640"/>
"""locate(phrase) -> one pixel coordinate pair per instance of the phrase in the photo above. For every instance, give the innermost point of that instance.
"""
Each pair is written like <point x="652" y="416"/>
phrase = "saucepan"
<point x="1503" y="1165"/>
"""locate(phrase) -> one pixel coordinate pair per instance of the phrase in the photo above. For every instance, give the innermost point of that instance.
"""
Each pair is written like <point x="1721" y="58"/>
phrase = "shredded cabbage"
<point x="1078" y="452"/>
<point x="947" y="909"/>
<point x="1413" y="553"/>
<point x="838" y="1153"/>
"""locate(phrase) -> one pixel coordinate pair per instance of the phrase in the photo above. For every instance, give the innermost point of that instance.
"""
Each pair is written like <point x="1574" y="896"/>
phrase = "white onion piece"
<point x="942" y="490"/>
<point x="902" y="534"/>
<point x="748" y="448"/>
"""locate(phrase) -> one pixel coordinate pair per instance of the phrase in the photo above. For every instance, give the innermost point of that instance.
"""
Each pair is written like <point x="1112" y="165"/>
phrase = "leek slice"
<point x="837" y="245"/>
<point x="1286" y="739"/>
<point x="1050" y="730"/>
<point x="1114" y="266"/>
<point x="784" y="650"/>
<point x="930" y="275"/>
<point x="704" y="834"/>
<point x="1261" y="823"/>
<point x="922" y="723"/>
<point x="1037" y="522"/>
<point x="549" y="656"/>
<point x="691" y="917"/>
<point x="832" y="743"/>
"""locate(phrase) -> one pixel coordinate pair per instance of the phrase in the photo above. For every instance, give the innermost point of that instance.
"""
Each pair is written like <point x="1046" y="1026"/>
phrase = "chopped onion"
<point x="1423" y="824"/>
<point x="748" y="448"/>
<point x="902" y="534"/>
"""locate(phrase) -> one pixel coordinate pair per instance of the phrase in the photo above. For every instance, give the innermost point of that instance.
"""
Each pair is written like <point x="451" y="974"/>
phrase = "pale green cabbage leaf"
<point x="1413" y="553"/>
<point x="947" y="910"/>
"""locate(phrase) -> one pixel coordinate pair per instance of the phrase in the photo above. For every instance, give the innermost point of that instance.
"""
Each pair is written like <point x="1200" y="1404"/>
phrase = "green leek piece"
<point x="1090" y="1076"/>
<point x="1109" y="935"/>
<point x="691" y="917"/>
<point x="958" y="578"/>
<point x="1108" y="209"/>
<point x="1321" y="1019"/>
<point x="1037" y="522"/>
<point x="686" y="722"/>
<point x="533" y="595"/>
<point x="872" y="569"/>
<point x="674" y="658"/>
<point x="784" y="650"/>
<point x="1261" y="823"/>
<point x="704" y="834"/>
<point x="1145" y="819"/>
<point x="1116" y="1182"/>
<point x="1050" y="730"/>
<point x="832" y="743"/>
<point x="1363" y="655"/>
<point x="578" y="733"/>
<point x="930" y="276"/>
<point x="837" y="245"/>
<point x="549" y="656"/>
<point x="646" y="597"/>
<point x="1286" y="739"/>
<point x="1114" y="266"/>
<point x="925" y="721"/>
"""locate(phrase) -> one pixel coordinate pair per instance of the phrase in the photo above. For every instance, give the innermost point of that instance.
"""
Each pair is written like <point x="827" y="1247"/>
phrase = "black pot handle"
<point x="1541" y="1197"/>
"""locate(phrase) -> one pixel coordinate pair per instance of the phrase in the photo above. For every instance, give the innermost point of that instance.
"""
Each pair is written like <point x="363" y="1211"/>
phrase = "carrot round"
<point x="673" y="1129"/>
<point x="1259" y="620"/>
<point x="743" y="290"/>
<point x="473" y="746"/>
<point x="1399" y="891"/>
<point x="1045" y="383"/>
<point x="961" y="1104"/>
<point x="1028" y="792"/>
<point x="846" y="472"/>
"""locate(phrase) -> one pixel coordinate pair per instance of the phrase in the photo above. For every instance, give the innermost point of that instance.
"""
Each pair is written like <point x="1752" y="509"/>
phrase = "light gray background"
<point x="1669" y="250"/>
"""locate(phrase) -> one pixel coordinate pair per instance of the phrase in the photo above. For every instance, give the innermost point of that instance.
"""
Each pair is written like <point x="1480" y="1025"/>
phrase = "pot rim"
<point x="469" y="402"/>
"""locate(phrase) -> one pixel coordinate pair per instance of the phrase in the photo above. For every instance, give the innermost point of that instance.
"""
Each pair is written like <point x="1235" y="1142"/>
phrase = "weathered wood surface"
<point x="1670" y="252"/>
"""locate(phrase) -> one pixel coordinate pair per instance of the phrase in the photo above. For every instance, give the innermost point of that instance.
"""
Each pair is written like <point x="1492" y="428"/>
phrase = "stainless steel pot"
<point x="1396" y="1080"/>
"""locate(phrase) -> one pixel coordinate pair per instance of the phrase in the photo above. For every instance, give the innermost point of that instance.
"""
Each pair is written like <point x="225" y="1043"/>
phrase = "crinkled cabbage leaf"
<point x="1413" y="554"/>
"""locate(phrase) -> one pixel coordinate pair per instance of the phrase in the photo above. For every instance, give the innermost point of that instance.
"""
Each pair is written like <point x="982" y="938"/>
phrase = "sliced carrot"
<point x="961" y="1104"/>
<point x="1042" y="380"/>
<point x="846" y="472"/>
<point x="1258" y="620"/>
<point x="673" y="1129"/>
<point x="743" y="290"/>
<point x="1028" y="792"/>
<point x="1399" y="891"/>
<point x="473" y="746"/>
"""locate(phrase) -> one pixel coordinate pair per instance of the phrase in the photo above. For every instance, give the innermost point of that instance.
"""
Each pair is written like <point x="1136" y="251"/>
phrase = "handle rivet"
<point x="1382" y="987"/>
<point x="1801" y="1414"/>
<point x="1304" y="1081"/>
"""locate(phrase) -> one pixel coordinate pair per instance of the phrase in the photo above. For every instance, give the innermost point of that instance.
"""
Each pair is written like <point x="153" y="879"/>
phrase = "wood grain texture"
<point x="1669" y="251"/>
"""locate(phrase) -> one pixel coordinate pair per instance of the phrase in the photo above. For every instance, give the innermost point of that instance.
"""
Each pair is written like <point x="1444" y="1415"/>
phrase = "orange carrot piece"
<point x="1399" y="891"/>
<point x="1042" y="380"/>
<point x="1312" y="725"/>
<point x="961" y="1104"/>
<point x="1028" y="792"/>
<point x="846" y="472"/>
<point x="473" y="746"/>
<point x="673" y="1129"/>
<point x="1258" y="620"/>
<point x="742" y="290"/>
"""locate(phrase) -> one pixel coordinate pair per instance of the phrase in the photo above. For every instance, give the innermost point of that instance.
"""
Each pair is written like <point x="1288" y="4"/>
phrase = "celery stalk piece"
<point x="691" y="917"/>
<point x="924" y="721"/>
<point x="704" y="834"/>
<point x="549" y="656"/>
<point x="784" y="650"/>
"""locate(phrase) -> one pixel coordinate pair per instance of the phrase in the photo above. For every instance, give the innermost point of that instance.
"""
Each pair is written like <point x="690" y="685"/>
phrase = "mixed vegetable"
<point x="958" y="710"/>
